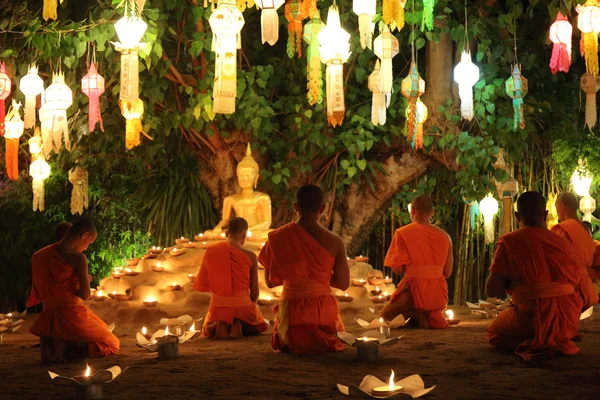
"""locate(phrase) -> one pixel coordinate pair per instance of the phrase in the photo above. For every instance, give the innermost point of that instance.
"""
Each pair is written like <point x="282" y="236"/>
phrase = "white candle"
<point x="389" y="389"/>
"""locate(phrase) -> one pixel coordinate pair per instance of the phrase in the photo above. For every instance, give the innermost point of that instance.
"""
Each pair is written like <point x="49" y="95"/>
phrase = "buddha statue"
<point x="253" y="206"/>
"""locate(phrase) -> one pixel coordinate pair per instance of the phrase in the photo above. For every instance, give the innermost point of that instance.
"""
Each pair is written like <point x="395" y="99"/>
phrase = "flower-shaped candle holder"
<point x="158" y="267"/>
<point x="388" y="280"/>
<point x="384" y="327"/>
<point x="172" y="287"/>
<point x="450" y="318"/>
<point x="361" y="258"/>
<point x="182" y="240"/>
<point x="344" y="298"/>
<point x="155" y="250"/>
<point x="371" y="387"/>
<point x="165" y="343"/>
<point x="375" y="280"/>
<point x="379" y="299"/>
<point x="133" y="262"/>
<point x="87" y="386"/>
<point x="99" y="295"/>
<point x="130" y="272"/>
<point x="149" y="256"/>
<point x="189" y="245"/>
<point x="367" y="346"/>
<point x="11" y="322"/>
<point x="150" y="302"/>
<point x="176" y="251"/>
<point x="178" y="326"/>
<point x="199" y="237"/>
<point x="359" y="282"/>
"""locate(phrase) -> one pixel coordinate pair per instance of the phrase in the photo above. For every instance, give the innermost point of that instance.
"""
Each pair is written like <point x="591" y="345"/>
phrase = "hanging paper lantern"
<point x="80" y="198"/>
<point x="473" y="213"/>
<point x="269" y="20"/>
<point x="226" y="22"/>
<point x="5" y="90"/>
<point x="59" y="98"/>
<point x="588" y="23"/>
<point x="310" y="7"/>
<point x="561" y="32"/>
<point x="242" y="5"/>
<point x="13" y="130"/>
<point x="552" y="218"/>
<point x="488" y="208"/>
<point x="412" y="88"/>
<point x="590" y="85"/>
<point x="130" y="28"/>
<point x="587" y="205"/>
<point x="46" y="118"/>
<point x="516" y="89"/>
<point x="314" y="83"/>
<point x="50" y="10"/>
<point x="366" y="10"/>
<point x="35" y="143"/>
<point x="386" y="47"/>
<point x="31" y="85"/>
<point x="393" y="13"/>
<point x="427" y="17"/>
<point x="582" y="179"/>
<point x="133" y="112"/>
<point x="420" y="117"/>
<point x="378" y="106"/>
<point x="39" y="171"/>
<point x="295" y="13"/>
<point x="92" y="85"/>
<point x="335" y="50"/>
<point x="466" y="74"/>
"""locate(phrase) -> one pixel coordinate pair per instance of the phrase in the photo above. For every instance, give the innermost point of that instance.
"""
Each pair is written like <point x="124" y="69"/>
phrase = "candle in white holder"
<point x="387" y="390"/>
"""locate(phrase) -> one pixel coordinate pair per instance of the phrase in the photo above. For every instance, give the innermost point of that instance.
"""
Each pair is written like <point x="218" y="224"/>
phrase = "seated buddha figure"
<point x="253" y="206"/>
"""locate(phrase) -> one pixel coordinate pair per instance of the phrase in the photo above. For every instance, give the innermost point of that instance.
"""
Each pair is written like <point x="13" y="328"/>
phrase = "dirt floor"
<point x="457" y="360"/>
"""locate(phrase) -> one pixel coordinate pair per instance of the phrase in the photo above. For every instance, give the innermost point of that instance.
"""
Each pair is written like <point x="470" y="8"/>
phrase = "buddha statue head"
<point x="248" y="171"/>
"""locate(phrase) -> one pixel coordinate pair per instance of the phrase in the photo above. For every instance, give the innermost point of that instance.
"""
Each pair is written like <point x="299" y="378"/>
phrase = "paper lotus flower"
<point x="587" y="313"/>
<point x="377" y="323"/>
<point x="412" y="386"/>
<point x="162" y="337"/>
<point x="183" y="322"/>
<point x="87" y="386"/>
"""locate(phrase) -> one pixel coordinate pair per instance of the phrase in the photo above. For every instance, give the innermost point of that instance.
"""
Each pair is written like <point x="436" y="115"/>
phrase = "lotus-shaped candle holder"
<point x="488" y="309"/>
<point x="384" y="327"/>
<point x="367" y="346"/>
<point x="199" y="237"/>
<point x="176" y="251"/>
<point x="344" y="298"/>
<point x="163" y="342"/>
<point x="11" y="322"/>
<point x="182" y="240"/>
<point x="189" y="245"/>
<point x="267" y="301"/>
<point x="130" y="272"/>
<point x="178" y="326"/>
<point x="359" y="282"/>
<point x="133" y="262"/>
<point x="411" y="387"/>
<point x="88" y="386"/>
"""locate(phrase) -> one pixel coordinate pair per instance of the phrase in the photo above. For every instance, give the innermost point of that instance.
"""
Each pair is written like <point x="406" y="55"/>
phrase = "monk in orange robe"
<point x="423" y="252"/>
<point x="540" y="269"/>
<point x="572" y="229"/>
<point x="306" y="259"/>
<point x="230" y="273"/>
<point x="60" y="281"/>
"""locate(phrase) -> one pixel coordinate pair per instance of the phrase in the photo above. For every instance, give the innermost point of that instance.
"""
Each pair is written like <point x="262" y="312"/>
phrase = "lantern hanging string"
<point x="412" y="34"/>
<point x="515" y="37"/>
<point x="466" y="41"/>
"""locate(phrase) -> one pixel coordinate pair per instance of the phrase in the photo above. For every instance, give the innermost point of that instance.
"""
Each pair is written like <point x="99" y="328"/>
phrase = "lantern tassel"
<point x="411" y="119"/>
<point x="473" y="213"/>
<point x="314" y="82"/>
<point x="60" y="129"/>
<point x="38" y="194"/>
<point x="366" y="27"/>
<point x="2" y="117"/>
<point x="12" y="158"/>
<point x="465" y="93"/>
<point x="50" y="11"/>
<point x="590" y="44"/>
<point x="393" y="14"/>
<point x="489" y="230"/>
<point x="561" y="58"/>
<point x="269" y="26"/>
<point x="29" y="112"/>
<point x="291" y="43"/>
<point x="427" y="19"/>
<point x="378" y="111"/>
<point x="94" y="114"/>
<point x="133" y="128"/>
<point x="335" y="94"/>
<point x="590" y="110"/>
<point x="519" y="118"/>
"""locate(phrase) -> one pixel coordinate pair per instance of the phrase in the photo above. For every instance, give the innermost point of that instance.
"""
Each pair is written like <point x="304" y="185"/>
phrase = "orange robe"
<point x="423" y="251"/>
<point x="594" y="270"/>
<point x="584" y="245"/>
<point x="308" y="316"/>
<point x="55" y="284"/>
<point x="546" y="308"/>
<point x="225" y="272"/>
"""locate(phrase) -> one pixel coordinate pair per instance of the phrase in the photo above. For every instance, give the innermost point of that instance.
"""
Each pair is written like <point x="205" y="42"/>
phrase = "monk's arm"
<point x="449" y="262"/>
<point x="496" y="285"/>
<point x="81" y="268"/>
<point x="341" y="273"/>
<point x="254" y="279"/>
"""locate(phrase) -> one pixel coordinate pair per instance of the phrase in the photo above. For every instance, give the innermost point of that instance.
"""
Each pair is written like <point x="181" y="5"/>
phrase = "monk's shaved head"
<point x="569" y="200"/>
<point x="81" y="226"/>
<point x="422" y="205"/>
<point x="61" y="230"/>
<point x="237" y="225"/>
<point x="531" y="209"/>
<point x="309" y="199"/>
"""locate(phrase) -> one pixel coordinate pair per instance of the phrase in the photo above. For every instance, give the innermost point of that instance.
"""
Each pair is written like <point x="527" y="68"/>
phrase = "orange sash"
<point x="69" y="300"/>
<point x="525" y="293"/>
<point x="303" y="289"/>
<point x="237" y="300"/>
<point x="425" y="271"/>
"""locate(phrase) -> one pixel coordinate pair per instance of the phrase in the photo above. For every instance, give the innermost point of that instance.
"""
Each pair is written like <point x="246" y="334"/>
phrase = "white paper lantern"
<point x="582" y="179"/>
<point x="466" y="74"/>
<point x="39" y="171"/>
<point x="31" y="85"/>
<point x="59" y="98"/>
<point x="269" y="20"/>
<point x="366" y="10"/>
<point x="489" y="208"/>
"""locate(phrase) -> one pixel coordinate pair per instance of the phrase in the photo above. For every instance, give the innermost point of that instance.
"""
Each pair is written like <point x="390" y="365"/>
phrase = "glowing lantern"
<point x="552" y="213"/>
<point x="335" y="50"/>
<point x="466" y="74"/>
<point x="561" y="32"/>
<point x="488" y="208"/>
<point x="393" y="13"/>
<point x="50" y="10"/>
<point x="412" y="88"/>
<point x="46" y="117"/>
<point x="80" y="198"/>
<point x="5" y="90"/>
<point x="378" y="106"/>
<point x="516" y="89"/>
<point x="386" y="47"/>
<point x="133" y="112"/>
<point x="242" y="5"/>
<point x="226" y="22"/>
<point x="314" y="83"/>
<point x="269" y="20"/>
<point x="295" y="13"/>
<point x="590" y="85"/>
<point x="587" y="205"/>
<point x="31" y="85"/>
<point x="366" y="10"/>
<point x="588" y="23"/>
<point x="427" y="17"/>
<point x="582" y="179"/>
<point x="35" y="143"/>
<point x="130" y="28"/>
<point x="420" y="118"/>
<point x="39" y="170"/>
<point x="13" y="130"/>
<point x="92" y="85"/>
<point x="59" y="98"/>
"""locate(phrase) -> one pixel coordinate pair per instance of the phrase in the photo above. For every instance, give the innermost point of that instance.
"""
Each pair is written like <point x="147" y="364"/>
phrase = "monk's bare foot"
<point x="236" y="330"/>
<point x="221" y="332"/>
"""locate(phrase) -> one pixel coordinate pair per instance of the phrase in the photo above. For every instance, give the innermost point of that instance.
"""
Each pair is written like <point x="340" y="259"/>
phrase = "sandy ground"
<point x="457" y="360"/>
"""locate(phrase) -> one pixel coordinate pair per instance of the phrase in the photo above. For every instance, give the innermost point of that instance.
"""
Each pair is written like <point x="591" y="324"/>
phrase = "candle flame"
<point x="154" y="341"/>
<point x="173" y="284"/>
<point x="365" y="339"/>
<point x="182" y="238"/>
<point x="144" y="330"/>
<point x="377" y="289"/>
<point x="9" y="314"/>
<point x="127" y="270"/>
<point x="249" y="234"/>
<point x="88" y="371"/>
<point x="149" y="298"/>
<point x="193" y="327"/>
<point x="362" y="280"/>
<point x="268" y="298"/>
<point x="380" y="296"/>
<point x="114" y="292"/>
<point x="380" y="319"/>
<point x="167" y="331"/>
<point x="392" y="381"/>
<point x="387" y="277"/>
<point x="158" y="264"/>
<point x="385" y="293"/>
<point x="345" y="294"/>
<point x="222" y="234"/>
<point x="175" y="249"/>
<point x="189" y="275"/>
<point x="99" y="294"/>
<point x="450" y="314"/>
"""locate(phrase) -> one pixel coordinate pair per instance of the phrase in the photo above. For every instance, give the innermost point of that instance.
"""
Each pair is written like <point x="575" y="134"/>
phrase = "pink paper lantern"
<point x="5" y="89"/>
<point x="561" y="32"/>
<point x="92" y="85"/>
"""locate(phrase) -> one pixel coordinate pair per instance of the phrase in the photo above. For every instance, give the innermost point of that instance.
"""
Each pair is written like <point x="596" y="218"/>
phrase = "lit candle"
<point x="223" y="234"/>
<point x="193" y="327"/>
<point x="450" y="314"/>
<point x="149" y="302"/>
<point x="158" y="267"/>
<point x="167" y="331"/>
<point x="345" y="294"/>
<point x="451" y="320"/>
<point x="144" y="330"/>
<point x="387" y="390"/>
<point x="388" y="279"/>
<point x="249" y="234"/>
<point x="268" y="298"/>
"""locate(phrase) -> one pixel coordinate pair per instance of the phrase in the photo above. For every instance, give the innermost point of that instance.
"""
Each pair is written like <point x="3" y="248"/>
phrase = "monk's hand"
<point x="217" y="231"/>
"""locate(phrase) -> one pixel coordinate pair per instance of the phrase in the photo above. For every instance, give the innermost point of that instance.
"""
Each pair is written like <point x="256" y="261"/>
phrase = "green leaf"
<point x="345" y="164"/>
<point x="362" y="164"/>
<point x="351" y="171"/>
<point x="276" y="179"/>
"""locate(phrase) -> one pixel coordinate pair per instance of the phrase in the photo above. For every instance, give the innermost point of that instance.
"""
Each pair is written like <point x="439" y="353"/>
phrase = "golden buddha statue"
<point x="254" y="207"/>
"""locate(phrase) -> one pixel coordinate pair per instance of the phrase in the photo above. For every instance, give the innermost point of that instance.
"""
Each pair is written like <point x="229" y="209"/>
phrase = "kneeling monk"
<point x="424" y="253"/>
<point x="541" y="271"/>
<point x="60" y="281"/>
<point x="572" y="229"/>
<point x="230" y="273"/>
<point x="306" y="259"/>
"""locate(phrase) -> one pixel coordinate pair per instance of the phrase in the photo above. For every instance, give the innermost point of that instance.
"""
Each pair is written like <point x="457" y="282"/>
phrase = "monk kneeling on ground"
<point x="230" y="273"/>
<point x="60" y="281"/>
<point x="423" y="252"/>
<point x="540" y="269"/>
<point x="306" y="259"/>
<point x="572" y="229"/>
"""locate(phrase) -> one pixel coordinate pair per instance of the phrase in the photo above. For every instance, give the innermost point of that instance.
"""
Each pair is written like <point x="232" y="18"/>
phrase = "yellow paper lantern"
<point x="588" y="23"/>
<point x="39" y="171"/>
<point x="80" y="195"/>
<point x="489" y="208"/>
<point x="133" y="112"/>
<point x="31" y="85"/>
<point x="582" y="179"/>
